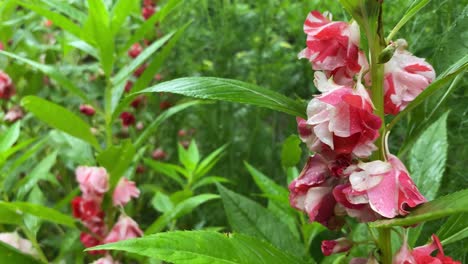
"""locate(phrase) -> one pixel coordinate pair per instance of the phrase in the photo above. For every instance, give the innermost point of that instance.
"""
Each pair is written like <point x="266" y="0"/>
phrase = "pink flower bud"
<point x="87" y="110"/>
<point x="128" y="86"/>
<point x="7" y="89"/>
<point x="135" y="50"/>
<point x="159" y="154"/>
<point x="336" y="246"/>
<point x="94" y="181"/>
<point x="48" y="23"/>
<point x="147" y="11"/>
<point x="182" y="133"/>
<point x="140" y="126"/>
<point x="158" y="77"/>
<point x="125" y="228"/>
<point x="14" y="114"/>
<point x="139" y="71"/>
<point x="124" y="191"/>
<point x="138" y="101"/>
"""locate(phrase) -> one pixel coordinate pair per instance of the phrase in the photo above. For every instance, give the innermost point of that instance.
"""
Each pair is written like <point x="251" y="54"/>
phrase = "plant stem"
<point x="108" y="112"/>
<point x="385" y="245"/>
<point x="35" y="244"/>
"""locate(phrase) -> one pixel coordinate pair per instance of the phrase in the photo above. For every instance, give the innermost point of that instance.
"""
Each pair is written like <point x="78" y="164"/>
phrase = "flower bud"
<point x="336" y="246"/>
<point x="87" y="110"/>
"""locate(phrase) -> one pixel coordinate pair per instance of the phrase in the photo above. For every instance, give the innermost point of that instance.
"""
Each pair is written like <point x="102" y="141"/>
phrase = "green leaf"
<point x="117" y="160"/>
<point x="248" y="217"/>
<point x="209" y="180"/>
<point x="267" y="185"/>
<point x="8" y="216"/>
<point x="120" y="12"/>
<point x="58" y="19"/>
<point x="415" y="7"/>
<point x="230" y="90"/>
<point x="162" y="202"/>
<point x="454" y="229"/>
<point x="123" y="74"/>
<point x="9" y="254"/>
<point x="60" y="118"/>
<point x="181" y="209"/>
<point x="291" y="151"/>
<point x="67" y="9"/>
<point x="52" y="72"/>
<point x="81" y="45"/>
<point x="189" y="157"/>
<point x="454" y="203"/>
<point x="10" y="137"/>
<point x="209" y="162"/>
<point x="166" y="169"/>
<point x="153" y="127"/>
<point x="203" y="247"/>
<point x="443" y="79"/>
<point x="427" y="170"/>
<point x="97" y="31"/>
<point x="40" y="211"/>
<point x="39" y="172"/>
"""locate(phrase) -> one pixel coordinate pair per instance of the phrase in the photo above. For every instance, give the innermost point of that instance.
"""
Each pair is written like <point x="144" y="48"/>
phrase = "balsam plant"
<point x="351" y="183"/>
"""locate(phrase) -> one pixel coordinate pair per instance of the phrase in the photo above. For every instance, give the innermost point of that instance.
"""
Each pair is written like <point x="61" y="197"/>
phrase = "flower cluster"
<point x="422" y="254"/>
<point x="341" y="129"/>
<point x="94" y="184"/>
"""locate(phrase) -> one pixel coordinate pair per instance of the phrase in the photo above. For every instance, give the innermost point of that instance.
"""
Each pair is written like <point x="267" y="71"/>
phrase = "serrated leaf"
<point x="178" y="247"/>
<point x="427" y="170"/>
<point x="181" y="209"/>
<point x="454" y="229"/>
<point x="291" y="151"/>
<point x="248" y="217"/>
<point x="60" y="118"/>
<point x="230" y="90"/>
<point x="444" y="206"/>
<point x="40" y="211"/>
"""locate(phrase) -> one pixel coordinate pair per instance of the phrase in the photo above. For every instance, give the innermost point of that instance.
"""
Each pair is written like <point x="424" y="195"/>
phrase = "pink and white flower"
<point x="14" y="114"/>
<point x="339" y="245"/>
<point x="106" y="260"/>
<point x="341" y="118"/>
<point x="422" y="254"/>
<point x="125" y="228"/>
<point x="14" y="240"/>
<point x="7" y="89"/>
<point x="385" y="186"/>
<point x="124" y="191"/>
<point x="332" y="47"/>
<point x="94" y="181"/>
<point x="406" y="76"/>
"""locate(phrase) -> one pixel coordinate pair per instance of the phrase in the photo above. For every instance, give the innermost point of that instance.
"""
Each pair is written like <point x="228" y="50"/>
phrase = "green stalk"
<point x="385" y="245"/>
<point x="108" y="112"/>
<point x="35" y="244"/>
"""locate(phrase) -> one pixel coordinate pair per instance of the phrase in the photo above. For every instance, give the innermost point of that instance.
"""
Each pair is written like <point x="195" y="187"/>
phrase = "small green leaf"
<point x="117" y="160"/>
<point x="267" y="185"/>
<point x="248" y="217"/>
<point x="189" y="157"/>
<point x="162" y="202"/>
<point x="67" y="9"/>
<point x="120" y="12"/>
<point x="9" y="137"/>
<point x="166" y="169"/>
<point x="9" y="254"/>
<point x="60" y="118"/>
<point x="454" y="203"/>
<point x="40" y="211"/>
<point x="230" y="90"/>
<point x="39" y="172"/>
<point x="181" y="209"/>
<point x="291" y="151"/>
<point x="209" y="162"/>
<point x="202" y="247"/>
<point x="209" y="180"/>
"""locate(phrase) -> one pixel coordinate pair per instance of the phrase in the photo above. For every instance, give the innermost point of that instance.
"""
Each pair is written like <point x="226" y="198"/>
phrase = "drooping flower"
<point x="94" y="181"/>
<point x="422" y="254"/>
<point x="16" y="241"/>
<point x="312" y="191"/>
<point x="87" y="109"/>
<point x="14" y="114"/>
<point x="7" y="89"/>
<point x="341" y="118"/>
<point x="127" y="119"/>
<point x="125" y="228"/>
<point x="135" y="50"/>
<point x="406" y="76"/>
<point x="385" y="186"/>
<point x="124" y="191"/>
<point x="336" y="246"/>
<point x="332" y="47"/>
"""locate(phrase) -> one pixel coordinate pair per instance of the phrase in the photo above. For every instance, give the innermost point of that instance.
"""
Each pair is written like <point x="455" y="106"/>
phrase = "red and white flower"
<point x="339" y="245"/>
<point x="341" y="118"/>
<point x="332" y="47"/>
<point x="7" y="89"/>
<point x="422" y="254"/>
<point x="406" y="76"/>
<point x="125" y="228"/>
<point x="124" y="191"/>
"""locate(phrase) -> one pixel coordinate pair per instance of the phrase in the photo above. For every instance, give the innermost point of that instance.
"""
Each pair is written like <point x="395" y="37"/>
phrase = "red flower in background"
<point x="148" y="11"/>
<point x="135" y="50"/>
<point x="87" y="110"/>
<point x="127" y="119"/>
<point x="422" y="255"/>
